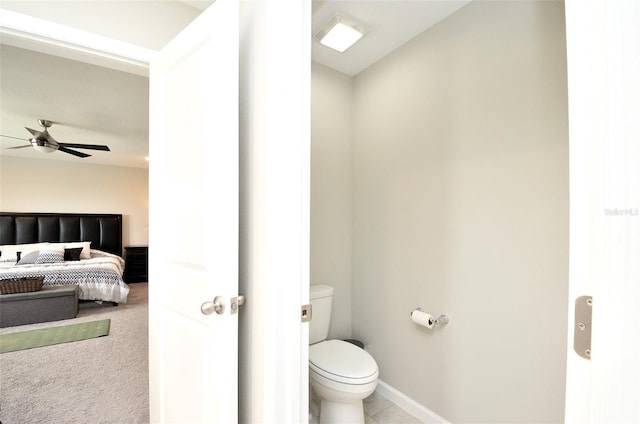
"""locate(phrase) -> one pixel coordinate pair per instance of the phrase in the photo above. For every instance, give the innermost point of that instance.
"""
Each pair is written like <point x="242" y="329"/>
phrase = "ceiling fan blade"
<point x="86" y="146"/>
<point x="16" y="138"/>
<point x="19" y="147"/>
<point x="73" y="152"/>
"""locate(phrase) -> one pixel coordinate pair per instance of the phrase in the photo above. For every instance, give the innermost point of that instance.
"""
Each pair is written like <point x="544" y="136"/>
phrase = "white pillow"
<point x="86" y="247"/>
<point x="10" y="251"/>
<point x="30" y="258"/>
<point x="50" y="255"/>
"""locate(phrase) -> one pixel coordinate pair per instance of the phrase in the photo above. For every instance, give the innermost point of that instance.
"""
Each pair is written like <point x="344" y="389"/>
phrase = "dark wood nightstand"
<point x="136" y="264"/>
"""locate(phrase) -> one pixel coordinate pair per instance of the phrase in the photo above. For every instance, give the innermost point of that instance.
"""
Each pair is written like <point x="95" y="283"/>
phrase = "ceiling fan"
<point x="43" y="142"/>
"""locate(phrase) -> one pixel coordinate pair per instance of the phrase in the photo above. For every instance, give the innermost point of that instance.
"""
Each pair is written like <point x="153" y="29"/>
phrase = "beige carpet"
<point x="103" y="380"/>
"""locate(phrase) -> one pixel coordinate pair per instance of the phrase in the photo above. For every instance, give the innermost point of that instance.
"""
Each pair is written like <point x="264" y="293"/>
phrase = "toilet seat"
<point x="342" y="362"/>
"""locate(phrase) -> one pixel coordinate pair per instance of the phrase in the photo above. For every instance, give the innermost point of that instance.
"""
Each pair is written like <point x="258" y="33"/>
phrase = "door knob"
<point x="216" y="306"/>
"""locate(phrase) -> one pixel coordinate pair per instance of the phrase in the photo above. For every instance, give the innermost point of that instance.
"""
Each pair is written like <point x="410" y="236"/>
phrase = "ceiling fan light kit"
<point x="42" y="148"/>
<point x="43" y="142"/>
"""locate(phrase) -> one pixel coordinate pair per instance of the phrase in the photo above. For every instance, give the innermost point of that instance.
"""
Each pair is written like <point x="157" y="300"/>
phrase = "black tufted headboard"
<point x="104" y="231"/>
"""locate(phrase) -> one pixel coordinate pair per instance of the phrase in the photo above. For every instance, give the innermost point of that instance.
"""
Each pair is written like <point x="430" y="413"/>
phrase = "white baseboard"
<point x="411" y="406"/>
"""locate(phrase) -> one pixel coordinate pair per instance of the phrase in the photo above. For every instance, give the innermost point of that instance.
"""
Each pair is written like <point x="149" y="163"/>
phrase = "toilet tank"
<point x="321" y="296"/>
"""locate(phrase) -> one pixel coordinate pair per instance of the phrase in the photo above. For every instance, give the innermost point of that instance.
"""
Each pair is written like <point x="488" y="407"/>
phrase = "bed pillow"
<point x="85" y="245"/>
<point x="29" y="258"/>
<point x="50" y="255"/>
<point x="9" y="252"/>
<point x="86" y="248"/>
<point x="72" y="254"/>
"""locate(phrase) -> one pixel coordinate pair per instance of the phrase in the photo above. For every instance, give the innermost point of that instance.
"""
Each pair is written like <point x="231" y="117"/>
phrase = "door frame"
<point x="275" y="89"/>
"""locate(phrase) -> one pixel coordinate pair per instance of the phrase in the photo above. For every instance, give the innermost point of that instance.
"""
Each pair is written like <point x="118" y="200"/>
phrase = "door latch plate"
<point x="236" y="302"/>
<point x="582" y="329"/>
<point x="306" y="313"/>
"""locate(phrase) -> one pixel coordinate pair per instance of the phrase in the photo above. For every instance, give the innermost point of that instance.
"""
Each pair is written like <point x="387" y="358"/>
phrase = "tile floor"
<point x="380" y="410"/>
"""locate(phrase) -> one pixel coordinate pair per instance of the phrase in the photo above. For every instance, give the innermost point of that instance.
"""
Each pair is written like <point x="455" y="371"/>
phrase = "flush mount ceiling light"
<point x="339" y="34"/>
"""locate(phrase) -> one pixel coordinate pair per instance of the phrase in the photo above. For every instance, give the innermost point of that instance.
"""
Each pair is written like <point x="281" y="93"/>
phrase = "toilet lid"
<point x="342" y="361"/>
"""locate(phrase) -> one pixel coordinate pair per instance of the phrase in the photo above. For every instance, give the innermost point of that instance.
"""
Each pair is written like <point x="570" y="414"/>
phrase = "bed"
<point x="66" y="249"/>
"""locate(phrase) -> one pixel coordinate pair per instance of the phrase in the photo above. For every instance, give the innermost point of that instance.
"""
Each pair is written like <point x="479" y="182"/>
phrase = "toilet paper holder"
<point x="441" y="320"/>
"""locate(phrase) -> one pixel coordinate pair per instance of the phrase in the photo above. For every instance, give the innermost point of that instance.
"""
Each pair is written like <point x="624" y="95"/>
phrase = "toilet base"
<point x="337" y="412"/>
<point x="314" y="404"/>
<point x="314" y="419"/>
<point x="340" y="403"/>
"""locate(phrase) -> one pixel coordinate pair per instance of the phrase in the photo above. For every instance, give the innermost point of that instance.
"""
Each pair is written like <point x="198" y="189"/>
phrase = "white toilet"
<point x="341" y="374"/>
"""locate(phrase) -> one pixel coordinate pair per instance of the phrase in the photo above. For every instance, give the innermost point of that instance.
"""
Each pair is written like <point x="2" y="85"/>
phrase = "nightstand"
<point x="136" y="264"/>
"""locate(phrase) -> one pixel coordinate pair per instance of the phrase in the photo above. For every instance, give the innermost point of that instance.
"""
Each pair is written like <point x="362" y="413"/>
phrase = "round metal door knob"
<point x="216" y="306"/>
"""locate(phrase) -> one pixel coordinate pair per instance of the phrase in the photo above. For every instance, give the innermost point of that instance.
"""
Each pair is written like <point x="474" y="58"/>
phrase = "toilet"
<point x="340" y="373"/>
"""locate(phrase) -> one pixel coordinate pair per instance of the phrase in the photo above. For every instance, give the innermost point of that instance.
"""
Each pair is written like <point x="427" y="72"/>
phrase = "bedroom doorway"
<point x="268" y="174"/>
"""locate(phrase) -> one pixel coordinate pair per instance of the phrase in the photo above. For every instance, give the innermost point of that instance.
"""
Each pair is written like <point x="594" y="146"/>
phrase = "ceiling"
<point x="96" y="105"/>
<point x="388" y="24"/>
<point x="88" y="104"/>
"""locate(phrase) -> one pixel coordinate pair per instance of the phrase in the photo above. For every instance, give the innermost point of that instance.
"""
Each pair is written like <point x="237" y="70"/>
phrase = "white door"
<point x="193" y="222"/>
<point x="603" y="41"/>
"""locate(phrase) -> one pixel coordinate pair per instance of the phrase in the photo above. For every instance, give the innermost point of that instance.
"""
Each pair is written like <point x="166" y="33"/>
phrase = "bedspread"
<point x="98" y="278"/>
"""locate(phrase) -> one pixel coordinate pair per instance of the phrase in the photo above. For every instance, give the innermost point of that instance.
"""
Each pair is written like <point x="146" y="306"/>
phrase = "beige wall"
<point x="460" y="206"/>
<point x="331" y="193"/>
<point x="40" y="185"/>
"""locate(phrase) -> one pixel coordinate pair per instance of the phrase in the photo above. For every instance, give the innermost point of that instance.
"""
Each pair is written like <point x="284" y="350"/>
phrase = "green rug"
<point x="53" y="335"/>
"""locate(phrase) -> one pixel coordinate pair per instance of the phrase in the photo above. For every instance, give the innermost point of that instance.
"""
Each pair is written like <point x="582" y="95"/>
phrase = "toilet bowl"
<point x="340" y="373"/>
